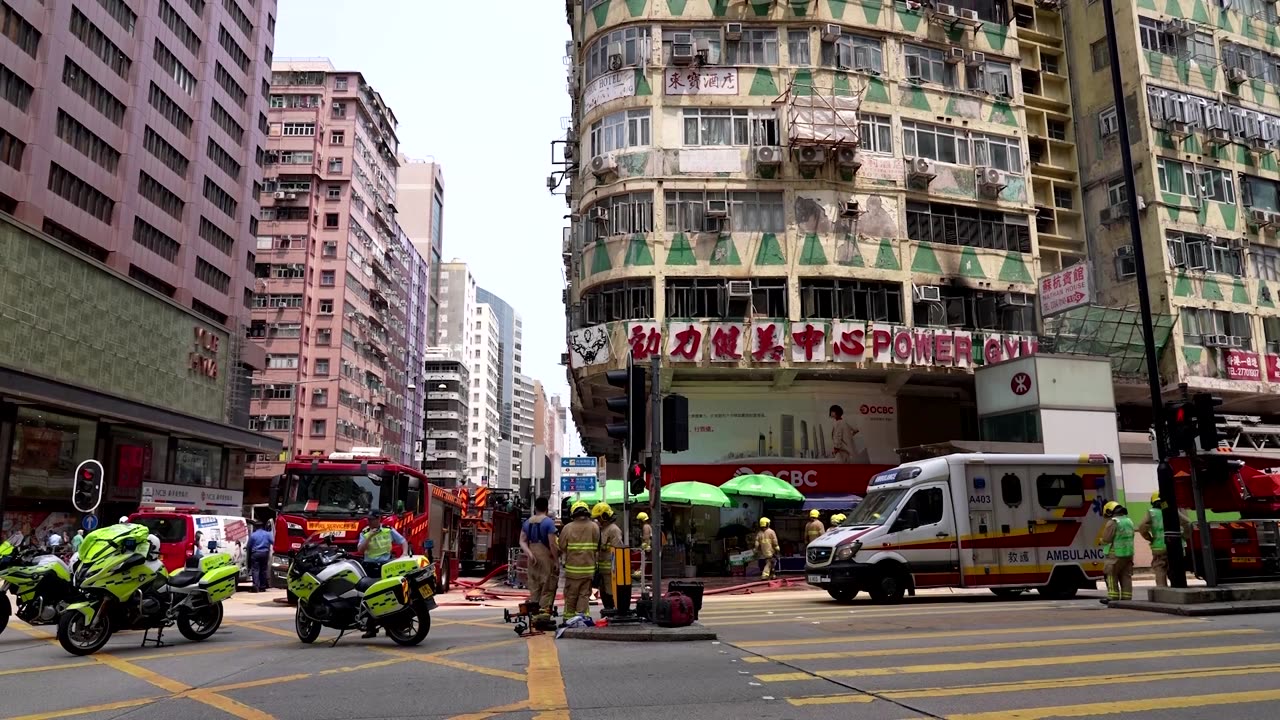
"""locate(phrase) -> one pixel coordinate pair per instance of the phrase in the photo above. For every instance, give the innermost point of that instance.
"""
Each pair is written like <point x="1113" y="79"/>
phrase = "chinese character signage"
<point x="727" y="342"/>
<point x="615" y="85"/>
<point x="808" y="342"/>
<point x="701" y="81"/>
<point x="766" y="341"/>
<point x="1064" y="290"/>
<point x="1243" y="365"/>
<point x="686" y="341"/>
<point x="1273" y="368"/>
<point x="644" y="340"/>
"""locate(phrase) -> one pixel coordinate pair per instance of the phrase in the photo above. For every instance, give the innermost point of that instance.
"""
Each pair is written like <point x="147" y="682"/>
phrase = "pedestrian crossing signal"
<point x="637" y="480"/>
<point x="86" y="489"/>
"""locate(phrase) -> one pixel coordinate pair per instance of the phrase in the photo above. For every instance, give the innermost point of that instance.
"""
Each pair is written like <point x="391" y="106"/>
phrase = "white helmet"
<point x="153" y="549"/>
<point x="124" y="519"/>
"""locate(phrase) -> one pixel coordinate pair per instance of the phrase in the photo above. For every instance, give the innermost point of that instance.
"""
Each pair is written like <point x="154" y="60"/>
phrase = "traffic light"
<point x="1207" y="421"/>
<point x="86" y="489"/>
<point x="631" y="406"/>
<point x="1180" y="421"/>
<point x="636" y="478"/>
<point x="675" y="423"/>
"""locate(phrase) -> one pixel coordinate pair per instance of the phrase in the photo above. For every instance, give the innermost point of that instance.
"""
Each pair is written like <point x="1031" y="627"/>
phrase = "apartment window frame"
<point x="936" y="138"/>
<point x="946" y="224"/>
<point x="1100" y="54"/>
<point x="749" y="211"/>
<point x="799" y="47"/>
<point x="620" y="131"/>
<point x="875" y="134"/>
<point x="999" y="151"/>
<point x="848" y="299"/>
<point x="758" y="46"/>
<point x="730" y="127"/>
<point x="98" y="43"/>
<point x="618" y="301"/>
<point x="21" y="32"/>
<point x="854" y="53"/>
<point x="635" y="41"/>
<point x="1175" y="177"/>
<point x="1108" y="122"/>
<point x="1197" y="322"/>
<point x="929" y="64"/>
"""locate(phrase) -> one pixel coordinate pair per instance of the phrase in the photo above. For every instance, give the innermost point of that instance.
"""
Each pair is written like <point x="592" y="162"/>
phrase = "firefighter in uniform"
<point x="538" y="541"/>
<point x="610" y="538"/>
<point x="1152" y="528"/>
<point x="646" y="539"/>
<point x="837" y="519"/>
<point x="579" y="543"/>
<point x="814" y="529"/>
<point x="766" y="549"/>
<point x="1117" y="548"/>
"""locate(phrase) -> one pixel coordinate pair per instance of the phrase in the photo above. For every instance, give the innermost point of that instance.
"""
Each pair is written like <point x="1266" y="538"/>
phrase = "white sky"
<point x="486" y="109"/>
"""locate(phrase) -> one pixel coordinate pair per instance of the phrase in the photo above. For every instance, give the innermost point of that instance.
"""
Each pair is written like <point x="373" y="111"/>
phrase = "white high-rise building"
<point x="485" y="356"/>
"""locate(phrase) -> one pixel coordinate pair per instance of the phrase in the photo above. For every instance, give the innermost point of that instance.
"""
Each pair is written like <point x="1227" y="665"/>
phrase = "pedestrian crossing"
<point x="998" y="660"/>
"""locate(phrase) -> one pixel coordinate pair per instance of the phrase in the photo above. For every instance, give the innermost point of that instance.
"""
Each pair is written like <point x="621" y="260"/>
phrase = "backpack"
<point x="675" y="610"/>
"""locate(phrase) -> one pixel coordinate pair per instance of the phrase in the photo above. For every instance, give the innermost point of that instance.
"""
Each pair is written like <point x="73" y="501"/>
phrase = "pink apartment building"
<point x="331" y="269"/>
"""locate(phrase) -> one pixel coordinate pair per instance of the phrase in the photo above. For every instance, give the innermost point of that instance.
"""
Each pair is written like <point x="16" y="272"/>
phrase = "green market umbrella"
<point x="611" y="492"/>
<point x="695" y="493"/>
<point x="764" y="486"/>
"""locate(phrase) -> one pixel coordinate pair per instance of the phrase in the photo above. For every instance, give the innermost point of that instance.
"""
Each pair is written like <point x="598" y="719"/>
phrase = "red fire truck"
<point x="490" y="528"/>
<point x="1247" y="549"/>
<point x="336" y="493"/>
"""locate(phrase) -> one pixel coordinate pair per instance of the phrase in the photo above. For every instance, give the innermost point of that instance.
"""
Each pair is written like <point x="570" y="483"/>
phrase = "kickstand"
<point x="158" y="641"/>
<point x="335" y="640"/>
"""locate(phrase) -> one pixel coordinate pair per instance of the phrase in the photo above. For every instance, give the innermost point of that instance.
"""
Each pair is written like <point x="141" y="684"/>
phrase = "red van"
<point x="186" y="534"/>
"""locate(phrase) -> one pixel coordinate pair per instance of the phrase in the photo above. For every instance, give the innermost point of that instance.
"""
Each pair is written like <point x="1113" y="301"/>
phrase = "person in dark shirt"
<point x="260" y="557"/>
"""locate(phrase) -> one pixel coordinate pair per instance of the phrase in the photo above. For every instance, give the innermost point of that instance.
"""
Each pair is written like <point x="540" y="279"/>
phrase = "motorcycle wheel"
<point x="308" y="630"/>
<point x="6" y="609"/>
<point x="201" y="624"/>
<point x="414" y="630"/>
<point x="80" y="638"/>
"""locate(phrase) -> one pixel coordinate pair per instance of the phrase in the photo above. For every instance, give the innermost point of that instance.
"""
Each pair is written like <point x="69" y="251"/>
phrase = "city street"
<point x="790" y="654"/>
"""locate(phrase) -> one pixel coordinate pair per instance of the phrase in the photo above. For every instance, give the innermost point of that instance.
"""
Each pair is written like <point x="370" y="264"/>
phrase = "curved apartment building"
<point x="801" y="205"/>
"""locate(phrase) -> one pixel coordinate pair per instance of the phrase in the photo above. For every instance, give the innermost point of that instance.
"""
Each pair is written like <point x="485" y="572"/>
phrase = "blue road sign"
<point x="584" y="483"/>
<point x="90" y="523"/>
<point x="577" y="462"/>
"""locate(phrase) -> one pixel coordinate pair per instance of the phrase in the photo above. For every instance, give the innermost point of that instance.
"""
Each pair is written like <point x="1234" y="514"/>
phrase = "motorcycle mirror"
<point x="16" y="539"/>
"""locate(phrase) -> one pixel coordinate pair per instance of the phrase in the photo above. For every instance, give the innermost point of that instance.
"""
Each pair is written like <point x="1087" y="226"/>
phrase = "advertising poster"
<point x="794" y="434"/>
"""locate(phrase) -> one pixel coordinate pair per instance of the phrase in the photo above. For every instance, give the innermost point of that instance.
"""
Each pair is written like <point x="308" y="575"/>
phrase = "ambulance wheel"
<point x="889" y="587"/>
<point x="842" y="595"/>
<point x="1058" y="591"/>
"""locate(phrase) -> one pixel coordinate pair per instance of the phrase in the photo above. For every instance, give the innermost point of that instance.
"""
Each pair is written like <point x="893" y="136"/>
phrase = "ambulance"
<point x="1009" y="523"/>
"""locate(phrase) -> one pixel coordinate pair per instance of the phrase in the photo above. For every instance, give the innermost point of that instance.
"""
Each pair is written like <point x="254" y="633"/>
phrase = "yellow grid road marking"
<point x="830" y="615"/>
<point x="547" y="695"/>
<point x="929" y="634"/>
<point x="978" y="647"/>
<point x="437" y="659"/>
<point x="105" y="707"/>
<point x="1121" y="707"/>
<point x="1011" y="663"/>
<point x="490" y="712"/>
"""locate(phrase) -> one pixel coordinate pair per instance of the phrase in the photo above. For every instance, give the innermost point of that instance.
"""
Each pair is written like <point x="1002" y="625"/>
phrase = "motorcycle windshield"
<point x="111" y="539"/>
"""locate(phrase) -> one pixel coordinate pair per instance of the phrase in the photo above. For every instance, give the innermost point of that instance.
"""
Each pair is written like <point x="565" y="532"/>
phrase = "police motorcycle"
<point x="123" y="585"/>
<point x="40" y="581"/>
<point x="335" y="591"/>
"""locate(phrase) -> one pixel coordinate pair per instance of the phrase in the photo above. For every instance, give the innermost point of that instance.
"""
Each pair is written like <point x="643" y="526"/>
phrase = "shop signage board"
<point x="215" y="500"/>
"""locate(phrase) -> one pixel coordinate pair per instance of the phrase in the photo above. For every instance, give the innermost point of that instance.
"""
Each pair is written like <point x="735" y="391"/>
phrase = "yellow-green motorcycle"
<point x="40" y="581"/>
<point x="123" y="585"/>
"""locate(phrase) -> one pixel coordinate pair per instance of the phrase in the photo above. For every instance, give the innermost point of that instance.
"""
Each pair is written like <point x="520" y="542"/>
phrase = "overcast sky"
<point x="486" y="108"/>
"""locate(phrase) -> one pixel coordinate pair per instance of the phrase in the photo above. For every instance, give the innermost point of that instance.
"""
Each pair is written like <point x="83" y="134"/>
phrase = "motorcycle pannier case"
<point x="385" y="596"/>
<point x="220" y="583"/>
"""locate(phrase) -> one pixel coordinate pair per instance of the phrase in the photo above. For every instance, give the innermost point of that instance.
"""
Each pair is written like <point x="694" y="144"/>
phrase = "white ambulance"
<point x="1005" y="522"/>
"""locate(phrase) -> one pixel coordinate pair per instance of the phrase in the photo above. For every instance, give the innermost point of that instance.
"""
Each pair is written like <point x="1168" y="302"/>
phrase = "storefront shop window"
<point x="47" y="447"/>
<point x="137" y="457"/>
<point x="198" y="464"/>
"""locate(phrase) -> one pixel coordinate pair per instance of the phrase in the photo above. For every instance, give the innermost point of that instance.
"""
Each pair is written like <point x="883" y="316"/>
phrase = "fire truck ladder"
<point x="1248" y="432"/>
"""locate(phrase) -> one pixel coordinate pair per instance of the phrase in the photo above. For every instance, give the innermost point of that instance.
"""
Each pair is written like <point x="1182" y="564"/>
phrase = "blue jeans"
<point x="260" y="569"/>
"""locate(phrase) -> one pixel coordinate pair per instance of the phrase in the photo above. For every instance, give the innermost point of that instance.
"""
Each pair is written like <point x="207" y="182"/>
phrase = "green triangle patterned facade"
<point x="676" y="7"/>
<point x="636" y="7"/>
<point x="1192" y="354"/>
<point x="1148" y="4"/>
<point x="849" y="252"/>
<point x="837" y="8"/>
<point x="638" y="252"/>
<point x="997" y="35"/>
<point x="1182" y="285"/>
<point x="1210" y="290"/>
<point x="642" y="84"/>
<point x="812" y="254"/>
<point x="680" y="252"/>
<point x="799" y="8"/>
<point x="1264" y="296"/>
<point x="600" y="13"/>
<point x="802" y="82"/>
<point x="876" y="92"/>
<point x="1173" y="9"/>
<point x="600" y="261"/>
<point x="770" y="251"/>
<point x="761" y="9"/>
<point x="925" y="260"/>
<point x="910" y="21"/>
<point x="1002" y="114"/>
<point x="719" y="7"/>
<point x="725" y="252"/>
<point x="871" y="10"/>
<point x="1014" y="269"/>
<point x="1238" y="292"/>
<point x="764" y="84"/>
<point x="913" y="97"/>
<point x="1199" y="13"/>
<point x="970" y="265"/>
<point x="887" y="259"/>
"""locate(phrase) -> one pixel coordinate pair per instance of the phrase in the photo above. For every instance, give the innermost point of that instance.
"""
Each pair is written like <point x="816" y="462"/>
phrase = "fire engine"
<point x="490" y="528"/>
<point x="1247" y="483"/>
<point x="335" y="494"/>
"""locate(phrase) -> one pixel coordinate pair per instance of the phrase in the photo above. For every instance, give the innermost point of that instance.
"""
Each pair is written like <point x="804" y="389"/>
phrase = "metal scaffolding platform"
<point x="1105" y="332"/>
<point x="823" y="115"/>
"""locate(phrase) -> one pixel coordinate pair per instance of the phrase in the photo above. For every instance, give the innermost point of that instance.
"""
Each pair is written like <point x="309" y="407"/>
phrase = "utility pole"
<point x="655" y="476"/>
<point x="1172" y="529"/>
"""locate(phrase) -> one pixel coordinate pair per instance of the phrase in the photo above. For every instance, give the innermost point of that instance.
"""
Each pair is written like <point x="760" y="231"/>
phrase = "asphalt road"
<point x="781" y="655"/>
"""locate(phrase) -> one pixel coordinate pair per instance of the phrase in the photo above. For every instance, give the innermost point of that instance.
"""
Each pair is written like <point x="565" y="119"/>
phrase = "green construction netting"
<point x="1111" y="332"/>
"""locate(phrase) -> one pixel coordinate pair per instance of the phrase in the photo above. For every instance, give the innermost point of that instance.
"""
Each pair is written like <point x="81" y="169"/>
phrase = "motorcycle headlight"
<point x="846" y="552"/>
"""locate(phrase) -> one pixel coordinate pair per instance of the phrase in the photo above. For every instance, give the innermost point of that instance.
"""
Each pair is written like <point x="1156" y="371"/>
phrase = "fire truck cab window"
<point x="339" y="494"/>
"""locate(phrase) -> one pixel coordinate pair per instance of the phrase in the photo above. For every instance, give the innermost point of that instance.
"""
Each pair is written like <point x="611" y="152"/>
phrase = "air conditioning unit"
<point x="850" y="209"/>
<point x="927" y="293"/>
<point x="1181" y="27"/>
<point x="733" y="31"/>
<point x="615" y="56"/>
<point x="279" y="196"/>
<point x="767" y="156"/>
<point x="976" y="59"/>
<point x="1014" y="300"/>
<point x="716" y="209"/>
<point x="1124" y="251"/>
<point x="921" y="170"/>
<point x="740" y="288"/>
<point x="682" y="54"/>
<point x="291" y="196"/>
<point x="604" y="166"/>
<point x="992" y="179"/>
<point x="809" y="156"/>
<point x="1237" y="76"/>
<point x="1235" y="341"/>
<point x="1238" y="243"/>
<point x="848" y="158"/>
<point x="598" y="215"/>
<point x="703" y="48"/>
<point x="564" y="359"/>
<point x="1216" y="341"/>
<point x="944" y="9"/>
<point x="955" y="55"/>
<point x="967" y="14"/>
<point x="1217" y="137"/>
<point x="831" y="32"/>
<point x="1259" y="217"/>
<point x="682" y="38"/>
<point x="1049" y="4"/>
<point x="1177" y="128"/>
<point x="1260" y="144"/>
<point x="1114" y="213"/>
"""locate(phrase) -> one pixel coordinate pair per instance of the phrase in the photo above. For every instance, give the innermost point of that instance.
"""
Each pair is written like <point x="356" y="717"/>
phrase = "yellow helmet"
<point x="1110" y="508"/>
<point x="580" y="507"/>
<point x="643" y="517"/>
<point x="764" y="522"/>
<point x="837" y="519"/>
<point x="601" y="509"/>
<point x="814" y="514"/>
<point x="1155" y="497"/>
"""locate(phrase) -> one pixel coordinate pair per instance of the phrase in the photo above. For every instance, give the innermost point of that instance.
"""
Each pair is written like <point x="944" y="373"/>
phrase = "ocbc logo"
<point x="877" y="409"/>
<point x="798" y="478"/>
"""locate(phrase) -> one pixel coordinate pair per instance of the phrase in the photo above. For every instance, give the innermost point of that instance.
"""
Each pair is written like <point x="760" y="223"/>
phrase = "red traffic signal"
<point x="637" y="479"/>
<point x="86" y="491"/>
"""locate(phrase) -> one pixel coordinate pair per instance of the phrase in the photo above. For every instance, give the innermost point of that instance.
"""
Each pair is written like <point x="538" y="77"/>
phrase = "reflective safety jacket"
<point x="813" y="530"/>
<point x="579" y="543"/>
<point x="610" y="538"/>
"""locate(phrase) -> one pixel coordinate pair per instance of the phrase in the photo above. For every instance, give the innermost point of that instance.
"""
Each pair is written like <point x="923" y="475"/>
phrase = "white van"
<point x="1005" y="522"/>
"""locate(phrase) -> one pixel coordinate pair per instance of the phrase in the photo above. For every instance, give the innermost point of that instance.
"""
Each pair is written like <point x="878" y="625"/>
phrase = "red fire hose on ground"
<point x="477" y="590"/>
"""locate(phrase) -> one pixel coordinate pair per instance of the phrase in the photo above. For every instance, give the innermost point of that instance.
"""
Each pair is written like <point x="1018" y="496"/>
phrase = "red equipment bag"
<point x="675" y="610"/>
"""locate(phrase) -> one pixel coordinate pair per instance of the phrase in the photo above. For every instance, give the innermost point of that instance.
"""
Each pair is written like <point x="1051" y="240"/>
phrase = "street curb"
<point x="640" y="633"/>
<point x="1205" y="609"/>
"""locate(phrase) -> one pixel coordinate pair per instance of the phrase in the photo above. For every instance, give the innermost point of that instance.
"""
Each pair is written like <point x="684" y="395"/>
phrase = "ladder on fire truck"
<point x="1248" y="432"/>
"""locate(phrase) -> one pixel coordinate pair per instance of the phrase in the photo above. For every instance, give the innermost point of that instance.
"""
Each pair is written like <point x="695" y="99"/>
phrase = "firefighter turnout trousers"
<point x="580" y="540"/>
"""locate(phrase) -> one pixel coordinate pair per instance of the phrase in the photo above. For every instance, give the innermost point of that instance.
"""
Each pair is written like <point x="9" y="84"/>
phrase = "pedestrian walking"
<point x="579" y="543"/>
<point x="1152" y="529"/>
<point x="76" y="540"/>
<point x="610" y="538"/>
<point x="766" y="547"/>
<point x="815" y="528"/>
<point x="1117" y="550"/>
<point x="538" y="543"/>
<point x="260" y="557"/>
